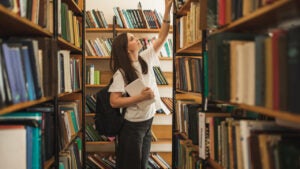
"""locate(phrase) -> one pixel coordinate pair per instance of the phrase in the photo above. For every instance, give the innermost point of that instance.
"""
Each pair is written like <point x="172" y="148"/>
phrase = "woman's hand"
<point x="147" y="94"/>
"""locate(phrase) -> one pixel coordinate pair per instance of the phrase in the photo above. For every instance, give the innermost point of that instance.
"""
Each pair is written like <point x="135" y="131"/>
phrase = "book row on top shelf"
<point x="126" y="18"/>
<point x="41" y="84"/>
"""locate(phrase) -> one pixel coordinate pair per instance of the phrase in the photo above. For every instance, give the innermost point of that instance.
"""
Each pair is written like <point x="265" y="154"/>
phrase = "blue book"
<point x="29" y="145"/>
<point x="28" y="74"/>
<point x="19" y="71"/>
<point x="10" y="72"/>
<point x="119" y="21"/>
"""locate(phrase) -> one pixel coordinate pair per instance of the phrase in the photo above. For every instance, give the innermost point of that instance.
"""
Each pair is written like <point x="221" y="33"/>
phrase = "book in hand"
<point x="135" y="88"/>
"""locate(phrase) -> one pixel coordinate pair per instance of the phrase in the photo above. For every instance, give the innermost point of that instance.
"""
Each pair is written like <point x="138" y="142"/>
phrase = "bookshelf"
<point x="25" y="33"/>
<point x="273" y="105"/>
<point x="163" y="146"/>
<point x="189" y="85"/>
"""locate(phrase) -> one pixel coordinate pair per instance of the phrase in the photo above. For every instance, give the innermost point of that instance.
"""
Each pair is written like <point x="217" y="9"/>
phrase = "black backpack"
<point x="108" y="120"/>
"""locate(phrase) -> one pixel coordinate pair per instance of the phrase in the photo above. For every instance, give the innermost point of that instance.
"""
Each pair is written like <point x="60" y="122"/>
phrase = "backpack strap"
<point x="126" y="94"/>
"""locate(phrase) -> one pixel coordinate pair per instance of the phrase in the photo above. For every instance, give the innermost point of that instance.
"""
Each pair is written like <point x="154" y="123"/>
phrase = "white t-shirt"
<point x="134" y="113"/>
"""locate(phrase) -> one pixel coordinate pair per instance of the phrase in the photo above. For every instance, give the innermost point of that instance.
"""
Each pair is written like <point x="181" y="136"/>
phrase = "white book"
<point x="135" y="88"/>
<point x="13" y="147"/>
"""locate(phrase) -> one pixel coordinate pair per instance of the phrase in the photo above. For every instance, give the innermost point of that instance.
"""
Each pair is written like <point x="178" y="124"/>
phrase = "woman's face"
<point x="134" y="46"/>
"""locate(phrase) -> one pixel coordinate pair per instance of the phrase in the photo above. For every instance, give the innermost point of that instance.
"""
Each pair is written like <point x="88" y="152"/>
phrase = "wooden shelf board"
<point x="284" y="115"/>
<point x="267" y="15"/>
<point x="95" y="86"/>
<point x="98" y="30"/>
<point x="19" y="106"/>
<point x="194" y="47"/>
<point x="166" y="58"/>
<point x="185" y="96"/>
<point x="64" y="44"/>
<point x="292" y="117"/>
<point x="68" y="93"/>
<point x="12" y="23"/>
<point x="141" y="30"/>
<point x="164" y="145"/>
<point x="196" y="57"/>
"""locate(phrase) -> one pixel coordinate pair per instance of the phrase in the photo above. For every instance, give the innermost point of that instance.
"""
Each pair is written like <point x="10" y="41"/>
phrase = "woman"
<point x="134" y="140"/>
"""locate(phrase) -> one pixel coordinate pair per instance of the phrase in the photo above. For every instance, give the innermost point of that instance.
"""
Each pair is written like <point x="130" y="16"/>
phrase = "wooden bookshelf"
<point x="19" y="106"/>
<point x="194" y="47"/>
<point x="276" y="15"/>
<point x="91" y="30"/>
<point x="13" y="25"/>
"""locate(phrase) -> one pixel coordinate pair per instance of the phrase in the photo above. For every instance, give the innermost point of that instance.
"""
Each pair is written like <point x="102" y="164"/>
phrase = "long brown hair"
<point x="120" y="58"/>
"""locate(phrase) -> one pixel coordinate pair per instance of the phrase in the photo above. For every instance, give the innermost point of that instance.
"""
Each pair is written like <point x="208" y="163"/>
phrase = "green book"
<point x="97" y="77"/>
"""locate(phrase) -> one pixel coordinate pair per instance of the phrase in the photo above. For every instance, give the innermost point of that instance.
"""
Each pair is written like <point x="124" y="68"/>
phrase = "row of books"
<point x="221" y="13"/>
<point x="159" y="76"/>
<point x="69" y="76"/>
<point x="93" y="76"/>
<point x="90" y="106"/>
<point x="37" y="11"/>
<point x="168" y="101"/>
<point x="235" y="141"/>
<point x="69" y="119"/>
<point x="99" y="161"/>
<point x="189" y="74"/>
<point x="98" y="47"/>
<point x="165" y="51"/>
<point x="248" y="143"/>
<point x="69" y="26"/>
<point x="32" y="68"/>
<point x="25" y="66"/>
<point x="189" y="26"/>
<point x="27" y="136"/>
<point x="72" y="157"/>
<point x="102" y="46"/>
<point x="91" y="134"/>
<point x="263" y="70"/>
<point x="138" y="18"/>
<point x="95" y="19"/>
<point x="186" y="154"/>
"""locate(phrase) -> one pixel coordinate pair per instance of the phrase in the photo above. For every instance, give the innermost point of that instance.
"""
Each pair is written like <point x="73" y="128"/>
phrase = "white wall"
<point x="107" y="6"/>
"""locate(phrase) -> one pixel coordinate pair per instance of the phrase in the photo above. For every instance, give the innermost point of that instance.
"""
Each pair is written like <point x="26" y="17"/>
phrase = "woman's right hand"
<point x="147" y="94"/>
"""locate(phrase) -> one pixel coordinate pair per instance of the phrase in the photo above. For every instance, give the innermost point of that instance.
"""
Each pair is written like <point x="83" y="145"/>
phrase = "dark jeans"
<point x="134" y="144"/>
